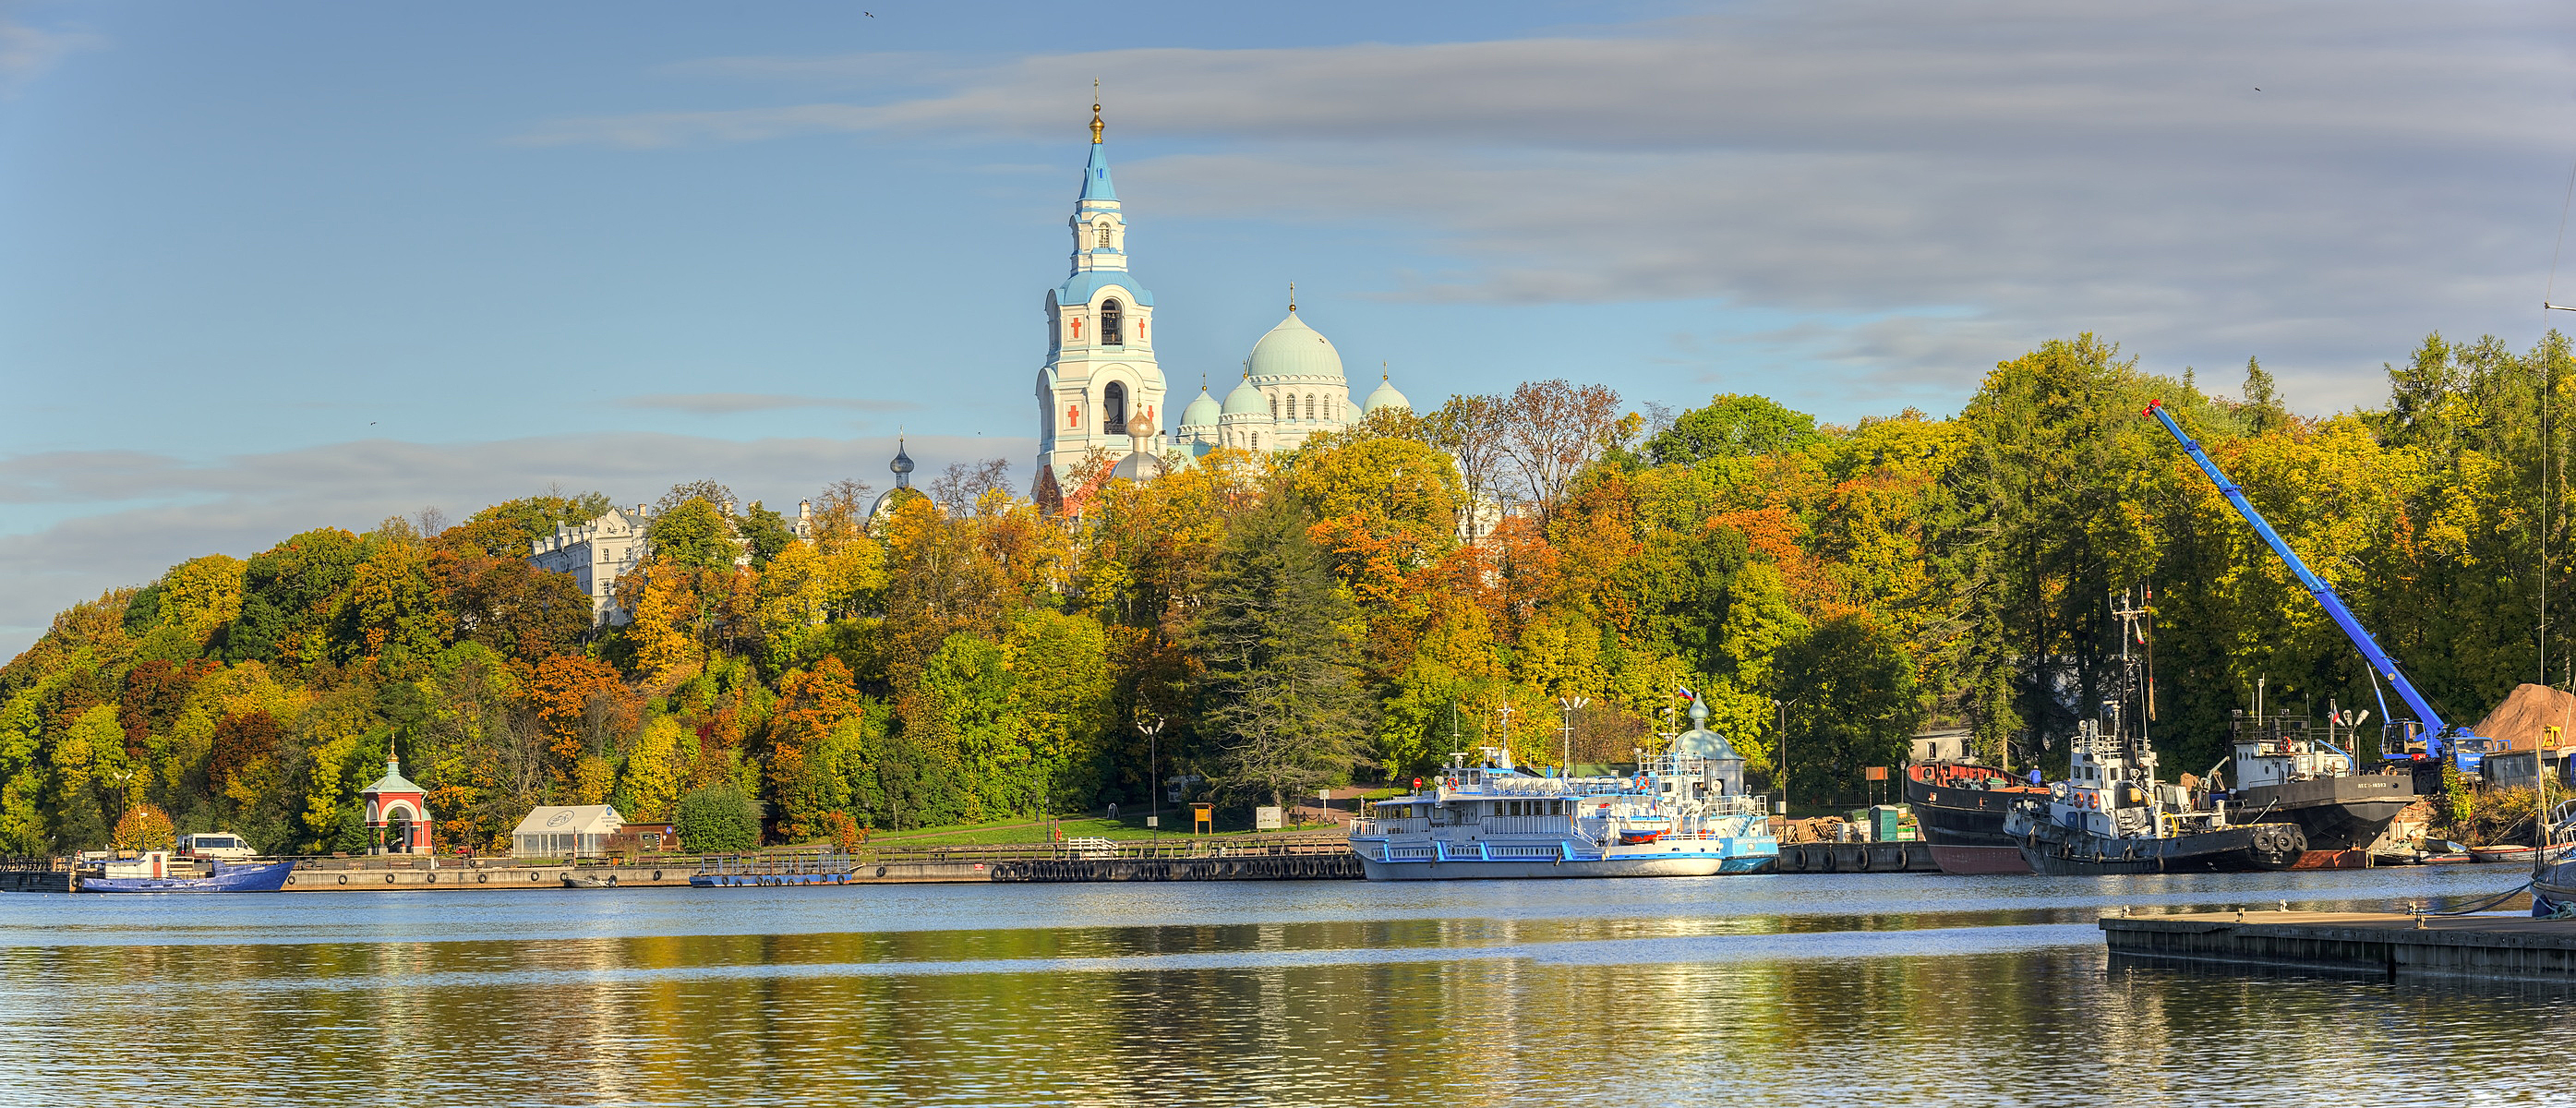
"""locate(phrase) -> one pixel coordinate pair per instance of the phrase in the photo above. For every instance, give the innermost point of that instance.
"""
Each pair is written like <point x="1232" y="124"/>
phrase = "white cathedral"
<point x="1102" y="389"/>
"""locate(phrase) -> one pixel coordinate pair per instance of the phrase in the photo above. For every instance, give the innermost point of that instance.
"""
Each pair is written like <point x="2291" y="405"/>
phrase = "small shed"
<point x="580" y="831"/>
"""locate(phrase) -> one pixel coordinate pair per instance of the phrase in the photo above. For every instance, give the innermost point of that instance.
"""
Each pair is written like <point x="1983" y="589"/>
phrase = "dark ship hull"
<point x="2247" y="849"/>
<point x="2336" y="813"/>
<point x="1964" y="805"/>
<point x="1959" y="809"/>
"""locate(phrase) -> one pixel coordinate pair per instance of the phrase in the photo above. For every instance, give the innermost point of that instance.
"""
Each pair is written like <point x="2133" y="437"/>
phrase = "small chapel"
<point x="1103" y="390"/>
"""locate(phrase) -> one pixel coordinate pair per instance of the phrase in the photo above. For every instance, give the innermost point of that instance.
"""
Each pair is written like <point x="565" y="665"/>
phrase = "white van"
<point x="216" y="844"/>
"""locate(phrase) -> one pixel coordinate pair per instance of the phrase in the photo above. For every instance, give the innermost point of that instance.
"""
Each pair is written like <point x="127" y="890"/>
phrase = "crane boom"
<point x="2438" y="735"/>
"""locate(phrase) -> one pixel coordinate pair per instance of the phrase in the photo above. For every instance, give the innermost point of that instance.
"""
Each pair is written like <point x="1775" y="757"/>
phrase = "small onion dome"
<point x="1202" y="412"/>
<point x="1385" y="396"/>
<point x="1142" y="423"/>
<point x="890" y="500"/>
<point x="1293" y="349"/>
<point x="1139" y="466"/>
<point x="902" y="463"/>
<point x="1246" y="400"/>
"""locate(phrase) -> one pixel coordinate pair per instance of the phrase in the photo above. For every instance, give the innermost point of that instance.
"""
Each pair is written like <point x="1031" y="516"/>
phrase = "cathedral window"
<point x="1112" y="322"/>
<point x="1113" y="406"/>
<point x="1310" y="405"/>
<point x="1274" y="407"/>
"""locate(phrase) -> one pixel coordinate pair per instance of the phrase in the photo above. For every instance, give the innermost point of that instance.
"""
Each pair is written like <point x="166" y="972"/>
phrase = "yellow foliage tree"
<point x="143" y="827"/>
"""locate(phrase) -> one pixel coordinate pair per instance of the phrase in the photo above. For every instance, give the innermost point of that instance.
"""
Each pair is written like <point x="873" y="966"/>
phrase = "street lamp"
<point x="1571" y="703"/>
<point x="1153" y="775"/>
<point x="1783" y="706"/>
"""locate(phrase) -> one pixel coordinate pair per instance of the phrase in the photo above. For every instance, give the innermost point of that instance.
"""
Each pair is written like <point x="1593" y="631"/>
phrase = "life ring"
<point x="433" y="879"/>
<point x="290" y="880"/>
<point x="344" y="879"/>
<point x="482" y="878"/>
<point x="532" y="875"/>
<point x="657" y="875"/>
<point x="389" y="879"/>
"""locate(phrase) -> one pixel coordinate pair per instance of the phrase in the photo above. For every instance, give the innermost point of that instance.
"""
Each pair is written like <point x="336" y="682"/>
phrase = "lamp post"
<point x="1571" y="703"/>
<point x="1153" y="776"/>
<point x="1783" y="707"/>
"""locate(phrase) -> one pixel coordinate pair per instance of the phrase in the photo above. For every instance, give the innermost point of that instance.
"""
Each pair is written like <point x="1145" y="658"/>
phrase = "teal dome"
<point x="1293" y="349"/>
<point x="1246" y="400"/>
<point x="1202" y="412"/>
<point x="1385" y="396"/>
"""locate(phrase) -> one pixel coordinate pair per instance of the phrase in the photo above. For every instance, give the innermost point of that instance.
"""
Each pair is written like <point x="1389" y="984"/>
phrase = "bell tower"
<point x="1100" y="369"/>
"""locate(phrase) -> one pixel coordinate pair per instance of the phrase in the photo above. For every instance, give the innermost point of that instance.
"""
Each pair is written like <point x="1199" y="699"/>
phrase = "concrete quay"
<point x="1895" y="856"/>
<point x="450" y="878"/>
<point x="2379" y="943"/>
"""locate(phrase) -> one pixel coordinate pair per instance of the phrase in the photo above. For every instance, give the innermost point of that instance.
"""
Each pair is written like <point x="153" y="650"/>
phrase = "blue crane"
<point x="2467" y="751"/>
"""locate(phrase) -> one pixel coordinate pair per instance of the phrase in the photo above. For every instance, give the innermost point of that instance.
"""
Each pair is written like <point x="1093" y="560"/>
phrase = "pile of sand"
<point x="2525" y="717"/>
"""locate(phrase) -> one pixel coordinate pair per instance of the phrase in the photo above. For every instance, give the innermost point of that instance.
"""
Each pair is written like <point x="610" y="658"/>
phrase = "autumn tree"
<point x="1551" y="430"/>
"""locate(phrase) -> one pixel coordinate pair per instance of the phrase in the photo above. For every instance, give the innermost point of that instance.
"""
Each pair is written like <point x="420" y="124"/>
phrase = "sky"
<point x="270" y="267"/>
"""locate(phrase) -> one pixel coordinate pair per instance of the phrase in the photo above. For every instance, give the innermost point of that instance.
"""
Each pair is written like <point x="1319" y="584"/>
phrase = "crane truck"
<point x="2424" y="739"/>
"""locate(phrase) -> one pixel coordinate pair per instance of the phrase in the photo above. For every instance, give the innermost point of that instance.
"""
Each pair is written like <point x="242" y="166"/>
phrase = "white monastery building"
<point x="1102" y="388"/>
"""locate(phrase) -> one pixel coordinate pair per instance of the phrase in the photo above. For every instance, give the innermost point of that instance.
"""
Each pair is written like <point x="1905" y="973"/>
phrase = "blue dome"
<point x="1246" y="400"/>
<point x="1293" y="349"/>
<point x="1385" y="396"/>
<point x="1202" y="412"/>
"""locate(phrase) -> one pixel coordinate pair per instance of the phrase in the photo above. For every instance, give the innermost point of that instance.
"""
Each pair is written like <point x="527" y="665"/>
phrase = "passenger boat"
<point x="1959" y="806"/>
<point x="2112" y="816"/>
<point x="1682" y="814"/>
<point x="155" y="871"/>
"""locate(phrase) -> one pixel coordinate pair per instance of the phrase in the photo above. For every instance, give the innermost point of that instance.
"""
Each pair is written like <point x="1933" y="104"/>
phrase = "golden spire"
<point x="1292" y="296"/>
<point x="1095" y="111"/>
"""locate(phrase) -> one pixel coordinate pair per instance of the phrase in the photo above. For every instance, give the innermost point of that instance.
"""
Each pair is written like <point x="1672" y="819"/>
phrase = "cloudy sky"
<point x="278" y="266"/>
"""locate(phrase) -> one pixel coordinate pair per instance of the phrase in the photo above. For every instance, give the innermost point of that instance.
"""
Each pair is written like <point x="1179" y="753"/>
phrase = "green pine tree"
<point x="1280" y="698"/>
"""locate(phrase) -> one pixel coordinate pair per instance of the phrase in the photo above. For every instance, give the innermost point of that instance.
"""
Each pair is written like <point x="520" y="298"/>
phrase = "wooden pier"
<point x="2380" y="943"/>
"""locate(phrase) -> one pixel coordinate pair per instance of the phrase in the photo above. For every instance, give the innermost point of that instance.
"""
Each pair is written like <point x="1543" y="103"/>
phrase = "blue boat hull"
<point x="267" y="877"/>
<point x="738" y="880"/>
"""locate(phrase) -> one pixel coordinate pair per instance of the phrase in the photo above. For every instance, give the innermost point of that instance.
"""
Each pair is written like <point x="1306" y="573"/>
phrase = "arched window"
<point x="1256" y="440"/>
<point x="1113" y="407"/>
<point x="1310" y="405"/>
<point x="1112" y="322"/>
<point x="1274" y="407"/>
<point x="1104" y="234"/>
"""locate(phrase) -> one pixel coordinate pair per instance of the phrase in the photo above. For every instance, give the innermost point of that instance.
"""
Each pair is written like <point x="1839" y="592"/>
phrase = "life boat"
<point x="1638" y="838"/>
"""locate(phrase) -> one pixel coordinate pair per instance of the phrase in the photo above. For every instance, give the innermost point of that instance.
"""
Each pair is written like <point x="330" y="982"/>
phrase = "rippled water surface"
<point x="1856" y="989"/>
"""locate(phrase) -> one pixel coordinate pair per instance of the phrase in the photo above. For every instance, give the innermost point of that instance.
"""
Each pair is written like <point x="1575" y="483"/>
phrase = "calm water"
<point x="1794" y="989"/>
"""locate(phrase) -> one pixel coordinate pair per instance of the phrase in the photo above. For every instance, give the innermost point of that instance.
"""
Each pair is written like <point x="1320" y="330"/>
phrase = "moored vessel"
<point x="2112" y="816"/>
<point x="156" y="871"/>
<point x="2284" y="768"/>
<point x="1959" y="806"/>
<point x="1682" y="814"/>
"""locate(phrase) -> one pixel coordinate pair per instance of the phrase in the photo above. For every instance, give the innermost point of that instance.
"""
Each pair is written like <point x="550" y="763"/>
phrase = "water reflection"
<point x="1868" y="988"/>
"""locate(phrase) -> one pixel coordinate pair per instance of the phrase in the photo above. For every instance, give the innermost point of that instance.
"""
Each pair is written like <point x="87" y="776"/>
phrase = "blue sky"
<point x="270" y="267"/>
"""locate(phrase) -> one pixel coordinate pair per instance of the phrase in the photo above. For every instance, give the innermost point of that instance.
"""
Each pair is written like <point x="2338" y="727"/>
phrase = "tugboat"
<point x="2112" y="816"/>
<point x="155" y="871"/>
<point x="1682" y="814"/>
<point x="2284" y="768"/>
<point x="1960" y="807"/>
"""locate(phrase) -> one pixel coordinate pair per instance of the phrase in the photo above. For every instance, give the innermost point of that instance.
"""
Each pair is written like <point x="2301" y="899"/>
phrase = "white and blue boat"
<point x="1682" y="814"/>
<point x="155" y="871"/>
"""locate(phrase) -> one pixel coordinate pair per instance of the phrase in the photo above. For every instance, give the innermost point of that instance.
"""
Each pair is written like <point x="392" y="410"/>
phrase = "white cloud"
<point x="26" y="52"/>
<point x="1950" y="183"/>
<point x="154" y="511"/>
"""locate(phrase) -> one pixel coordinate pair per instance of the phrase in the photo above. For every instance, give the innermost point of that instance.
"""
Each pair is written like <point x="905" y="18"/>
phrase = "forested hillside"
<point x="1295" y="621"/>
